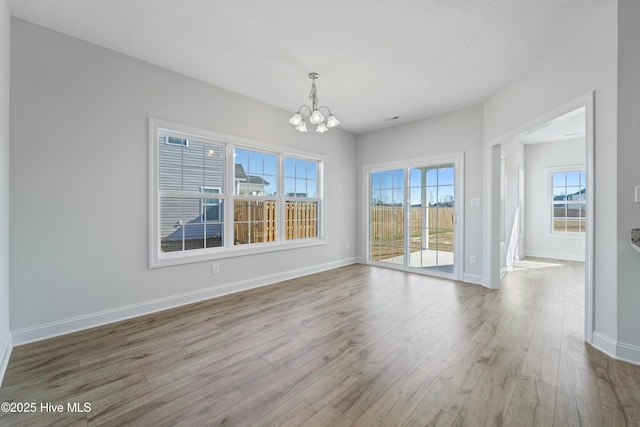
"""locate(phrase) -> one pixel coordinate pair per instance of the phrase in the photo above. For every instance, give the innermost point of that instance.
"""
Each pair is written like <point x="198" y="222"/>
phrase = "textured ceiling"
<point x="376" y="58"/>
<point x="568" y="126"/>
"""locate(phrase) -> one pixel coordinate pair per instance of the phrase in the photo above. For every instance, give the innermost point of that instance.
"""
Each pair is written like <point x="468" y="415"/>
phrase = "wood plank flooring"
<point x="355" y="346"/>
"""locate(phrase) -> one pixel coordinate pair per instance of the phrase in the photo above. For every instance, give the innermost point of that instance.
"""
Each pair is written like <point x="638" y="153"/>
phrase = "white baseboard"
<point x="476" y="279"/>
<point x="628" y="353"/>
<point x="604" y="343"/>
<point x="555" y="255"/>
<point x="618" y="350"/>
<point x="74" y="324"/>
<point x="5" y="354"/>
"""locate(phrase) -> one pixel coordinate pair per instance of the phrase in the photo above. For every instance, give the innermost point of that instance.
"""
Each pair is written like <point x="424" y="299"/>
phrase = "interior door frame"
<point x="491" y="267"/>
<point x="457" y="159"/>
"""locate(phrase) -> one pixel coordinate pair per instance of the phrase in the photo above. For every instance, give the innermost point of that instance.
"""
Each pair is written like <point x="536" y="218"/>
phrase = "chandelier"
<point x="313" y="113"/>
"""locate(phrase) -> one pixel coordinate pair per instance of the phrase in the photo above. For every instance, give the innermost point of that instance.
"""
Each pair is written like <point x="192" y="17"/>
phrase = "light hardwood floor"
<point x="358" y="345"/>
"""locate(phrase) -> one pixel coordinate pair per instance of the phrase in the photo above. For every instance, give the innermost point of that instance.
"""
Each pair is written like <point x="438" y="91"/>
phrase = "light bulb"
<point x="332" y="121"/>
<point x="296" y="119"/>
<point x="302" y="127"/>
<point x="316" y="117"/>
<point x="322" y="128"/>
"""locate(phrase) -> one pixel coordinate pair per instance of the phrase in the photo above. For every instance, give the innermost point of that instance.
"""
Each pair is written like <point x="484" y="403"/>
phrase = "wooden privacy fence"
<point x="255" y="221"/>
<point x="301" y="220"/>
<point x="387" y="222"/>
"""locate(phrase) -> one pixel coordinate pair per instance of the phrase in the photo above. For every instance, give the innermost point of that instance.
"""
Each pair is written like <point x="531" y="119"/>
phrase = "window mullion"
<point x="229" y="187"/>
<point x="192" y="195"/>
<point x="281" y="205"/>
<point x="406" y="213"/>
<point x="320" y="198"/>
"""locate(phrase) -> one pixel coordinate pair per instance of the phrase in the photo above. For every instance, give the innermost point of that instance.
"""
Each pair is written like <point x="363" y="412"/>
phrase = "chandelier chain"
<point x="313" y="95"/>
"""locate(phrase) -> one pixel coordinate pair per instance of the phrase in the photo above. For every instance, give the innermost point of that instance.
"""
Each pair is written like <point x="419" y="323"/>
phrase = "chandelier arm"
<point x="302" y="107"/>
<point x="324" y="106"/>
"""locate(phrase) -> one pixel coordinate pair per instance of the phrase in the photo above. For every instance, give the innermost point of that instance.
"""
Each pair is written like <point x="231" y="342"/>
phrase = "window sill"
<point x="234" y="252"/>
<point x="566" y="236"/>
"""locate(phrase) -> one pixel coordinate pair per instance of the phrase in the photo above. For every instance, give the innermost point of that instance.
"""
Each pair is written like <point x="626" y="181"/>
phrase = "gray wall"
<point x="444" y="134"/>
<point x="539" y="157"/>
<point x="628" y="170"/>
<point x="79" y="180"/>
<point x="585" y="63"/>
<point x="4" y="185"/>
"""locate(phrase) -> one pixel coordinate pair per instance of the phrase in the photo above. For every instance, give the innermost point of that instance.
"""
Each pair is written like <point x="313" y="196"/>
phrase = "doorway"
<point x="562" y="204"/>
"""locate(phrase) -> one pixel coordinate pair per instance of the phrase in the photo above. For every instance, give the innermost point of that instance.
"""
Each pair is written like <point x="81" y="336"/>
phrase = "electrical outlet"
<point x="474" y="259"/>
<point x="346" y="247"/>
<point x="215" y="268"/>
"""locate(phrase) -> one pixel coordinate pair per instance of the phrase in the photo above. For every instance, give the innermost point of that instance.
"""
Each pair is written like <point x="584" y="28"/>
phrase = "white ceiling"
<point x="568" y="126"/>
<point x="376" y="58"/>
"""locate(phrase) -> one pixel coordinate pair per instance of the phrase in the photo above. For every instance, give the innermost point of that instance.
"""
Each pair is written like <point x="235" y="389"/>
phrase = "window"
<point x="301" y="198"/>
<point x="211" y="197"/>
<point x="568" y="207"/>
<point x="174" y="140"/>
<point x="255" y="204"/>
<point x="210" y="207"/>
<point x="190" y="174"/>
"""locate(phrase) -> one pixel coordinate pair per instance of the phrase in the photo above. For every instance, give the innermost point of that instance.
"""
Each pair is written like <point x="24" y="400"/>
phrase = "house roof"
<point x="240" y="172"/>
<point x="250" y="179"/>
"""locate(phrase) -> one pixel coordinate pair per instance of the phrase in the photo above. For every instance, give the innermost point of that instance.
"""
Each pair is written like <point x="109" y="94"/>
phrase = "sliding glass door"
<point x="413" y="221"/>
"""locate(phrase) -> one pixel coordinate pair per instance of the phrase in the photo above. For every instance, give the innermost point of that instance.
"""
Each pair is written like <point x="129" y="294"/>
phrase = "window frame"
<point x="227" y="197"/>
<point x="551" y="171"/>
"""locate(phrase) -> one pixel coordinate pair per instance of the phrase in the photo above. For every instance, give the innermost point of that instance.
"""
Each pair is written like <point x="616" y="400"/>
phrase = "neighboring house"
<point x="206" y="219"/>
<point x="248" y="184"/>
<point x="573" y="210"/>
<point x="579" y="195"/>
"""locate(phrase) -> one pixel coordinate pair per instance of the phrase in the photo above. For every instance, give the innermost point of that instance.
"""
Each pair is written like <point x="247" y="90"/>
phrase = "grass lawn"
<point x="388" y="248"/>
